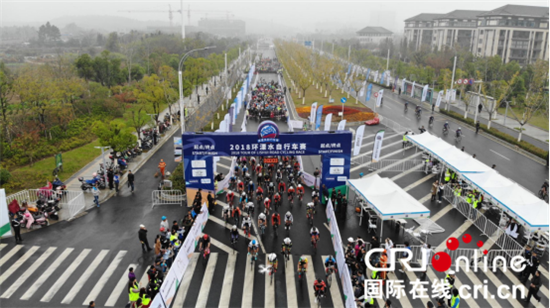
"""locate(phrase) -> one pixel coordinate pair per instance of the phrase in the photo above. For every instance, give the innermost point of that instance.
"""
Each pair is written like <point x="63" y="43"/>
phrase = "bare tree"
<point x="494" y="93"/>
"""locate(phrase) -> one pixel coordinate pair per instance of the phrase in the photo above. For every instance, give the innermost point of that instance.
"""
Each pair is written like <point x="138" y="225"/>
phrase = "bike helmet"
<point x="205" y="236"/>
<point x="261" y="216"/>
<point x="288" y="213"/>
<point x="350" y="240"/>
<point x="278" y="170"/>
<point x="234" y="228"/>
<point x="94" y="174"/>
<point x="291" y="187"/>
<point x="287" y="241"/>
<point x="302" y="258"/>
<point x="163" y="218"/>
<point x="272" y="257"/>
<point x="226" y="208"/>
<point x="271" y="184"/>
<point x="299" y="185"/>
<point x="446" y="122"/>
<point x="251" y="183"/>
<point x="253" y="242"/>
<point x="245" y="215"/>
<point x="266" y="199"/>
<point x="459" y="128"/>
<point x="310" y="204"/>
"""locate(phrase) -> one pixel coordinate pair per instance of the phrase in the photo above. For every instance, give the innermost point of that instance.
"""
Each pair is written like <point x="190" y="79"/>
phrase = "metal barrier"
<point x="71" y="202"/>
<point x="396" y="127"/>
<point x="167" y="197"/>
<point x="391" y="165"/>
<point x="494" y="255"/>
<point x="19" y="196"/>
<point x="469" y="253"/>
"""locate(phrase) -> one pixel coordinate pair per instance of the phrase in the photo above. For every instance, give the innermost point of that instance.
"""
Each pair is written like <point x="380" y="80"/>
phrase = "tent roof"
<point x="388" y="199"/>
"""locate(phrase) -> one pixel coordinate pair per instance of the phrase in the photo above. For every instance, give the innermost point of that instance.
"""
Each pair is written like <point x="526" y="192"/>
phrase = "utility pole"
<point x="333" y="48"/>
<point x="506" y="113"/>
<point x="388" y="60"/>
<point x="226" y="86"/>
<point x="104" y="164"/>
<point x="349" y="53"/>
<point x="452" y="83"/>
<point x="155" y="121"/>
<point x="478" y="100"/>
<point x="182" y="25"/>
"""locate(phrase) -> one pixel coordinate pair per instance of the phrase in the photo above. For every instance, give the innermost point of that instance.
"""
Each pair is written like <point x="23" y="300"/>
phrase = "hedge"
<point x="493" y="131"/>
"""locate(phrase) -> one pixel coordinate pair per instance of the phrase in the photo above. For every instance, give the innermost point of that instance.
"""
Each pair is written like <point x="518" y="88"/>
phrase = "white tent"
<point x="515" y="200"/>
<point x="450" y="155"/>
<point x="387" y="199"/>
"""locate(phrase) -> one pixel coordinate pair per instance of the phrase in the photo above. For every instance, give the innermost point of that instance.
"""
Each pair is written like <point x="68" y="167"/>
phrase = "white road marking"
<point x="119" y="288"/>
<point x="28" y="272"/>
<point x="2" y="246"/>
<point x="310" y="275"/>
<point x="424" y="296"/>
<point x="66" y="274"/>
<point x="220" y="245"/>
<point x="248" y="285"/>
<point x="334" y="289"/>
<point x="105" y="277"/>
<point x="457" y="233"/>
<point x="82" y="280"/>
<point x="144" y="278"/>
<point x="469" y="301"/>
<point x="437" y="215"/>
<point x="10" y="270"/>
<point x="497" y="153"/>
<point x="12" y="251"/>
<point x="207" y="280"/>
<point x="291" y="297"/>
<point x="269" y="300"/>
<point x="422" y="180"/>
<point x="227" y="285"/>
<point x="186" y="281"/>
<point x="241" y="232"/>
<point x="403" y="300"/>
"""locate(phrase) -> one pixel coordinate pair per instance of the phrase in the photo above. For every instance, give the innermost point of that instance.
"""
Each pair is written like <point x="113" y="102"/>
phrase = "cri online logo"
<point x="268" y="131"/>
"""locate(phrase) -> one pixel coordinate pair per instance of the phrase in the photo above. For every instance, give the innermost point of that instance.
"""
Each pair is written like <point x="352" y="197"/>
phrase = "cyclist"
<point x="229" y="197"/>
<point x="236" y="169"/>
<point x="290" y="177"/>
<point x="234" y="234"/>
<point x="204" y="243"/>
<point x="271" y="189"/>
<point x="233" y="180"/>
<point x="310" y="209"/>
<point x="417" y="110"/>
<point x="273" y="261"/>
<point x="243" y="200"/>
<point x="296" y="166"/>
<point x="225" y="212"/>
<point x="259" y="193"/>
<point x="236" y="214"/>
<point x="422" y="129"/>
<point x="458" y="132"/>
<point x="267" y="204"/>
<point x="275" y="219"/>
<point x="314" y="232"/>
<point x="431" y="121"/>
<point x="262" y="220"/>
<point x="246" y="224"/>
<point x="245" y="169"/>
<point x="406" y="105"/>
<point x="240" y="187"/>
<point x="319" y="286"/>
<point x="259" y="169"/>
<point x="252" y="163"/>
<point x="277" y="199"/>
<point x="291" y="194"/>
<point x="288" y="220"/>
<point x="282" y="187"/>
<point x="287" y="245"/>
<point x="446" y="126"/>
<point x="253" y="249"/>
<point x="302" y="264"/>
<point x="270" y="169"/>
<point x="330" y="263"/>
<point x="300" y="191"/>
<point x="279" y="176"/>
<point x="250" y="208"/>
<point x="247" y="177"/>
<point x="300" y="177"/>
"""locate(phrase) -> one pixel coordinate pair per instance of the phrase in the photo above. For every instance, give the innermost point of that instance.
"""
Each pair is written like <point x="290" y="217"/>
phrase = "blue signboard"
<point x="343" y="100"/>
<point x="319" y="116"/>
<point x="369" y="91"/>
<point x="307" y="43"/>
<point x="382" y="79"/>
<point x="200" y="148"/>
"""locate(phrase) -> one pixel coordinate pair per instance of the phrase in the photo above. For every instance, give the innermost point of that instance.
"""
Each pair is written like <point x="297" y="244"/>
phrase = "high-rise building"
<point x="456" y="29"/>
<point x="419" y="30"/>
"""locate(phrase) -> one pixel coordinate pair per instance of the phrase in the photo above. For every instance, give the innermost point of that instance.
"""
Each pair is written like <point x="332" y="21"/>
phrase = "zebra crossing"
<point x="71" y="277"/>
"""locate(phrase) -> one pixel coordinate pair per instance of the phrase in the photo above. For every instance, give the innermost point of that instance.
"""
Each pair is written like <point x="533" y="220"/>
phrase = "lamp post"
<point x="185" y="56"/>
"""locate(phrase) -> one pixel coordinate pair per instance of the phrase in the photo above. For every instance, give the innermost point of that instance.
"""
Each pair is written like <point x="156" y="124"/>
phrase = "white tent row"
<point x="516" y="201"/>
<point x="513" y="199"/>
<point x="387" y="199"/>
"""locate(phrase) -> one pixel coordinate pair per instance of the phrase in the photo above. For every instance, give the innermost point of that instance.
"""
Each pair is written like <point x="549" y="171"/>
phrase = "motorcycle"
<point x="89" y="184"/>
<point x="122" y="165"/>
<point x="30" y="220"/>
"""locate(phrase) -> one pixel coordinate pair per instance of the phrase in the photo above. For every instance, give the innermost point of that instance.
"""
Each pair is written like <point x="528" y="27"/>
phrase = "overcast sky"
<point x="306" y="15"/>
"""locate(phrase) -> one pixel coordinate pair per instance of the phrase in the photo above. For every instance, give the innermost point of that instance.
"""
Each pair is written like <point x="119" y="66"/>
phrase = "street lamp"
<point x="182" y="111"/>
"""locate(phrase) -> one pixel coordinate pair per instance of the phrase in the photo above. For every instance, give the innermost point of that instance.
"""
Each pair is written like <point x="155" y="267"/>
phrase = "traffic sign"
<point x="471" y="81"/>
<point x="343" y="100"/>
<point x="459" y="81"/>
<point x="375" y="94"/>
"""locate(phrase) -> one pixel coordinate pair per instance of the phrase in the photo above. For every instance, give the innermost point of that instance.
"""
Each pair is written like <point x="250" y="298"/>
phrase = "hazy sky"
<point x="307" y="15"/>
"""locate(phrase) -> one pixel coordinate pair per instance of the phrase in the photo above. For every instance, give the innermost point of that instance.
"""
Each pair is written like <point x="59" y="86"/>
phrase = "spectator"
<point x="435" y="187"/>
<point x="116" y="180"/>
<point x="142" y="235"/>
<point x="110" y="176"/>
<point x="131" y="274"/>
<point x="16" y="225"/>
<point x="131" y="180"/>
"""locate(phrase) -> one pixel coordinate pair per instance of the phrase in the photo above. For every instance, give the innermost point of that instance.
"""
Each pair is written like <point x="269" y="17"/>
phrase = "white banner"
<point x="439" y="98"/>
<point x="309" y="180"/>
<point x="358" y="139"/>
<point x="328" y="121"/>
<point x="377" y="147"/>
<point x="362" y="91"/>
<point x="227" y="120"/>
<point x="403" y="85"/>
<point x="223" y="126"/>
<point x="388" y="78"/>
<point x="375" y="76"/>
<point x="342" y="125"/>
<point x="379" y="98"/>
<point x="5" y="225"/>
<point x="447" y="95"/>
<point x="296" y="124"/>
<point x="453" y="95"/>
<point x="412" y="89"/>
<point x="243" y="126"/>
<point x="215" y="161"/>
<point x="313" y="113"/>
<point x="424" y="93"/>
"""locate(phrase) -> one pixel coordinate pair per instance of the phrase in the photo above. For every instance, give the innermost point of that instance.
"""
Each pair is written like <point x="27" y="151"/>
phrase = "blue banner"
<point x="349" y="69"/>
<point x="369" y="92"/>
<point x="368" y="74"/>
<point x="382" y="79"/>
<point x="319" y="116"/>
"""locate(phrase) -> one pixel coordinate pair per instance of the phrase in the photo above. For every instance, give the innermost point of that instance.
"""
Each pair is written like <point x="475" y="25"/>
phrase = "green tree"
<point x="85" y="67"/>
<point x="48" y="34"/>
<point x="149" y="91"/>
<point x="112" y="43"/>
<point x="107" y="69"/>
<point x="114" y="134"/>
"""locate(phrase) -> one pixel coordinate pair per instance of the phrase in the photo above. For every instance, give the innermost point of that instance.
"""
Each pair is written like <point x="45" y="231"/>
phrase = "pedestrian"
<point x="435" y="186"/>
<point x="162" y="167"/>
<point x="388" y="304"/>
<point x="474" y="156"/>
<point x="427" y="255"/>
<point x="95" y="193"/>
<point x="131" y="274"/>
<point x="164" y="225"/>
<point x="206" y="90"/>
<point x="116" y="180"/>
<point x="534" y="287"/>
<point x="375" y="243"/>
<point x="91" y="305"/>
<point x="131" y="180"/>
<point x="142" y="235"/>
<point x="440" y="191"/>
<point x="477" y="127"/>
<point x="187" y="224"/>
<point x="479" y="107"/>
<point x="430" y="305"/>
<point x="110" y="176"/>
<point x="399" y="91"/>
<point x="462" y="149"/>
<point x="158" y="245"/>
<point x="133" y="292"/>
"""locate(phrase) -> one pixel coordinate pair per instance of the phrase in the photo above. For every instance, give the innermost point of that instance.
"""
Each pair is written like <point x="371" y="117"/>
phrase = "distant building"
<point x="514" y="32"/>
<point x="219" y="27"/>
<point x="373" y="35"/>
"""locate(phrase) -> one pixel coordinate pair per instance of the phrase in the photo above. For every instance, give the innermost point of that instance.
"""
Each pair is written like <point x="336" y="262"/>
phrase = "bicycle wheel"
<point x="55" y="172"/>
<point x="272" y="274"/>
<point x="329" y="279"/>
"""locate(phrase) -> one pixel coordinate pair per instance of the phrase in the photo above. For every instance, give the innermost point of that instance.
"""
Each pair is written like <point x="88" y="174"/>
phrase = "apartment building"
<point x="514" y="32"/>
<point x="373" y="35"/>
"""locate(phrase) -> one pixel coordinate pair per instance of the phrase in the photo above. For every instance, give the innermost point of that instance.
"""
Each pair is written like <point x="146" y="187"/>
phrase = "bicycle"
<point x="406" y="108"/>
<point x="262" y="228"/>
<point x="543" y="195"/>
<point x="271" y="273"/>
<point x="205" y="255"/>
<point x="57" y="170"/>
<point x="275" y="227"/>
<point x="286" y="254"/>
<point x="234" y="243"/>
<point x="310" y="217"/>
<point x="319" y="296"/>
<point x="458" y="138"/>
<point x="314" y="241"/>
<point x="418" y="116"/>
<point x="291" y="201"/>
<point x="300" y="271"/>
<point x="445" y="131"/>
<point x="328" y="274"/>
<point x="247" y="230"/>
<point x="300" y="198"/>
<point x="253" y="258"/>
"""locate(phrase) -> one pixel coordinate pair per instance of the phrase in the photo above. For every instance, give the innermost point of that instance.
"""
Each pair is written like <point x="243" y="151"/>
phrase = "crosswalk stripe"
<point x="412" y="277"/>
<point x="2" y="246"/>
<point x="437" y="215"/>
<point x="144" y="279"/>
<point x="269" y="299"/>
<point x="105" y="277"/>
<point x="515" y="281"/>
<point x="490" y="298"/>
<point x="35" y="265"/>
<point x="403" y="300"/>
<point x="310" y="275"/>
<point x="457" y="233"/>
<point x="496" y="281"/>
<point x="334" y="289"/>
<point x="30" y="291"/>
<point x="66" y="274"/>
<point x="248" y="284"/>
<point x="186" y="281"/>
<point x="82" y="280"/>
<point x="221" y="245"/>
<point x="10" y="270"/>
<point x="119" y="288"/>
<point x="291" y="298"/>
<point x="12" y="251"/>
<point x="422" y="180"/>
<point x="469" y="301"/>
<point x="225" y="295"/>
<point x="207" y="280"/>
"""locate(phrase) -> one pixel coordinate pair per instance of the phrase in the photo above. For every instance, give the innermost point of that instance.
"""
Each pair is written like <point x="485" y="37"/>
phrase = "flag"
<point x="453" y="95"/>
<point x="412" y="89"/>
<point x="375" y="76"/>
<point x="447" y="95"/>
<point x="362" y="91"/>
<point x="377" y="146"/>
<point x="369" y="91"/>
<point x="328" y="120"/>
<point x="319" y="116"/>
<point x="424" y="93"/>
<point x="382" y="79"/>
<point x="379" y="98"/>
<point x="358" y="139"/>
<point x="439" y="98"/>
<point x="395" y="82"/>
<point x="403" y="85"/>
<point x="312" y="113"/>
<point x="342" y="125"/>
<point x="367" y="76"/>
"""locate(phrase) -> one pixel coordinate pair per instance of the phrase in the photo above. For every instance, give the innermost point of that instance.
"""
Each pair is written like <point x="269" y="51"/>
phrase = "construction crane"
<point x="171" y="16"/>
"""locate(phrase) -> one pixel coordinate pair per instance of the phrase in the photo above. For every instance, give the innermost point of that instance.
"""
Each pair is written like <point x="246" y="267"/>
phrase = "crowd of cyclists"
<point x="267" y="102"/>
<point x="446" y="126"/>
